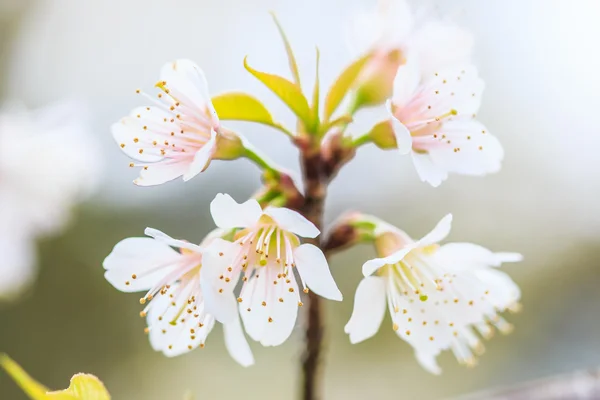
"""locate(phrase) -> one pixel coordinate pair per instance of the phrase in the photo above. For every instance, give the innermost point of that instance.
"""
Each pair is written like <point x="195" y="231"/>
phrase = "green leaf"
<point x="287" y="91"/>
<point x="82" y="387"/>
<point x="240" y="106"/>
<point x="315" y="101"/>
<point x="343" y="83"/>
<point x="33" y="389"/>
<point x="288" y="50"/>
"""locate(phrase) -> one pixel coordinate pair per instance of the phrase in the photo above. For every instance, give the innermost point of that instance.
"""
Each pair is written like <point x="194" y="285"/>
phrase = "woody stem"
<point x="315" y="184"/>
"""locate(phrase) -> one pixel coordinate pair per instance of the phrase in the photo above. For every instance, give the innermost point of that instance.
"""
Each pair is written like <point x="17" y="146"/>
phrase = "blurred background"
<point x="542" y="69"/>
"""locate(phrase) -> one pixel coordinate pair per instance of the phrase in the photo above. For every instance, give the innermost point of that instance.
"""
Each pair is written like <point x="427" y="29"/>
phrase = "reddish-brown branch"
<point x="314" y="200"/>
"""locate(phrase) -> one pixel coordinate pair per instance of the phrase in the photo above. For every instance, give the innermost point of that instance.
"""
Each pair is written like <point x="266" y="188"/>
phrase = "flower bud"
<point x="375" y="84"/>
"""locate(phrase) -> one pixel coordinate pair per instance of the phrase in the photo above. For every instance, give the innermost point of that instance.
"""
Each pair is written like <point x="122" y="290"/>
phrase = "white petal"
<point x="373" y="265"/>
<point x="170" y="326"/>
<point x="221" y="304"/>
<point x="369" y="309"/>
<point x="314" y="270"/>
<point x="480" y="152"/>
<point x="187" y="82"/>
<point x="125" y="132"/>
<point x="439" y="233"/>
<point x="401" y="132"/>
<point x="406" y="82"/>
<point x="503" y="291"/>
<point x="466" y="256"/>
<point x="428" y="362"/>
<point x="439" y="44"/>
<point x="236" y="343"/>
<point x="255" y="320"/>
<point x="17" y="265"/>
<point x="159" y="173"/>
<point x="163" y="237"/>
<point x="202" y="158"/>
<point x="282" y="314"/>
<point x="292" y="221"/>
<point x="217" y="256"/>
<point x="427" y="170"/>
<point x="148" y="259"/>
<point x="229" y="214"/>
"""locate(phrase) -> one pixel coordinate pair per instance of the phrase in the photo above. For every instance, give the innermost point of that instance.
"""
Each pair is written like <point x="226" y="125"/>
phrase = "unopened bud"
<point x="375" y="84"/>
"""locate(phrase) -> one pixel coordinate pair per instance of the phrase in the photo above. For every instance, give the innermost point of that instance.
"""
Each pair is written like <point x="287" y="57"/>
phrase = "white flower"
<point x="176" y="312"/>
<point x="180" y="134"/>
<point x="439" y="297"/>
<point x="435" y="43"/>
<point x="434" y="118"/>
<point x="48" y="163"/>
<point x="266" y="251"/>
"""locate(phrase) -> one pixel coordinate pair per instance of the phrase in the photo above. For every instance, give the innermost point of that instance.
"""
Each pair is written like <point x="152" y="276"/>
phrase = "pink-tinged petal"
<point x="369" y="309"/>
<point x="202" y="158"/>
<point x="457" y="90"/>
<point x="281" y="315"/>
<point x="439" y="233"/>
<point x="406" y="82"/>
<point x="428" y="362"/>
<point x="467" y="256"/>
<point x="236" y="343"/>
<point x="427" y="170"/>
<point x="403" y="137"/>
<point x="158" y="173"/>
<point x="229" y="214"/>
<point x="292" y="221"/>
<point x="314" y="270"/>
<point x="137" y="264"/>
<point x="187" y="83"/>
<point x="168" y="240"/>
<point x="373" y="265"/>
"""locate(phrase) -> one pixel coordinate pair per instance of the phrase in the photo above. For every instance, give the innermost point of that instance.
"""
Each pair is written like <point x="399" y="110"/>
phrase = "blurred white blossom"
<point x="48" y="163"/>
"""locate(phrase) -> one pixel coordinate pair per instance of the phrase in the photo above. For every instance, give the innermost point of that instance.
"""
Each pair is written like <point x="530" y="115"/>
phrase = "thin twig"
<point x="577" y="385"/>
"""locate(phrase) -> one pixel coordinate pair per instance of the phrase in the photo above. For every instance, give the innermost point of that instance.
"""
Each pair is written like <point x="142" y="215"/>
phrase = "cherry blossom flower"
<point x="434" y="42"/>
<point x="439" y="297"/>
<point x="176" y="312"/>
<point x="48" y="164"/>
<point x="266" y="251"/>
<point x="434" y="119"/>
<point x="180" y="134"/>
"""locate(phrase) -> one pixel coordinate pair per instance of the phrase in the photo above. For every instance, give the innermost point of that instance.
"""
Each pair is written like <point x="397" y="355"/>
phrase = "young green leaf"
<point x="315" y="101"/>
<point x="33" y="389"/>
<point x="343" y="84"/>
<point x="288" y="50"/>
<point x="287" y="91"/>
<point x="240" y="106"/>
<point x="82" y="387"/>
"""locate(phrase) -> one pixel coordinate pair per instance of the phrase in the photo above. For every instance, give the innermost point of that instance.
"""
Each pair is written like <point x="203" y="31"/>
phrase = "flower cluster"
<point x="252" y="272"/>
